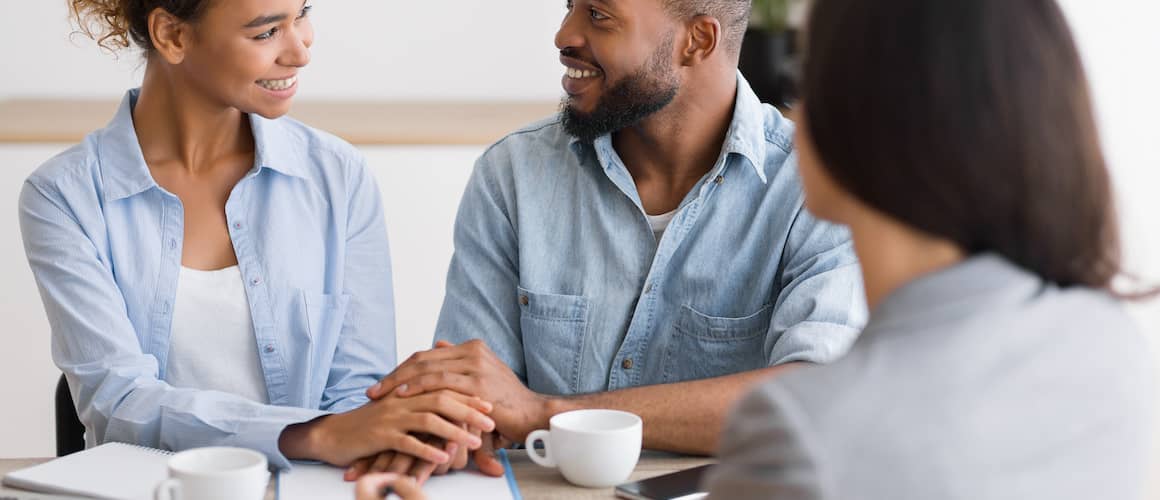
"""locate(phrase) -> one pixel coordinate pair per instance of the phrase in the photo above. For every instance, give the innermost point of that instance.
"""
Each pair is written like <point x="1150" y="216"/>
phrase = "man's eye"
<point x="305" y="11"/>
<point x="596" y="15"/>
<point x="267" y="35"/>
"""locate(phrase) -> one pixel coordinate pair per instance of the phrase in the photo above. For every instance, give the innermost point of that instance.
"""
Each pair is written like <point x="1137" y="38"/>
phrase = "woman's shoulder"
<point x="303" y="141"/>
<point x="75" y="168"/>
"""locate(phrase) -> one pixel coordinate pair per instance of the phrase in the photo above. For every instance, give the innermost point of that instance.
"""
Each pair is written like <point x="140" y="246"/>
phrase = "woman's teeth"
<point x="278" y="84"/>
<point x="580" y="73"/>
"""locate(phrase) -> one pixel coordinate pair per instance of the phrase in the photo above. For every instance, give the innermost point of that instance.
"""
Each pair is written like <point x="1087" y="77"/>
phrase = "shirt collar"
<point x="745" y="137"/>
<point x="981" y="282"/>
<point x="123" y="164"/>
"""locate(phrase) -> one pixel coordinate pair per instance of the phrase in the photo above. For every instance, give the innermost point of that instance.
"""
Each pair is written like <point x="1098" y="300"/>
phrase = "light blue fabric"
<point x="105" y="243"/>
<point x="557" y="269"/>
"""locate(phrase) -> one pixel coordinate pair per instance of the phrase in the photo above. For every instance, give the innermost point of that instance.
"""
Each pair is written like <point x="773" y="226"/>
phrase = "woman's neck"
<point x="892" y="254"/>
<point x="176" y="126"/>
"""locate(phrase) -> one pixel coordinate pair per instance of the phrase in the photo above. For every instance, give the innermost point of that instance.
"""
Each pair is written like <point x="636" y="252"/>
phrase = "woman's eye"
<point x="267" y="35"/>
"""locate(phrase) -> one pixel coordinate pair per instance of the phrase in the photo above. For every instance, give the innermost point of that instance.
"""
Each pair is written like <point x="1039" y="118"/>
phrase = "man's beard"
<point x="629" y="101"/>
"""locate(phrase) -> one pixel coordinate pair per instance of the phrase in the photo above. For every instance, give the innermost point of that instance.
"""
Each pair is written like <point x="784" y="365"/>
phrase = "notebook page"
<point x="324" y="482"/>
<point x="112" y="471"/>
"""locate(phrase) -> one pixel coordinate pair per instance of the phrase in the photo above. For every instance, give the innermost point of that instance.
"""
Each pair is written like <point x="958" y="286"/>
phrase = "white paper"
<point x="324" y="482"/>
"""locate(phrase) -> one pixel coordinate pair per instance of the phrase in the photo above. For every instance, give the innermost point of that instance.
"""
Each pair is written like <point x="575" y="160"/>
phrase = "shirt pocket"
<point x="704" y="346"/>
<point x="319" y="324"/>
<point x="553" y="328"/>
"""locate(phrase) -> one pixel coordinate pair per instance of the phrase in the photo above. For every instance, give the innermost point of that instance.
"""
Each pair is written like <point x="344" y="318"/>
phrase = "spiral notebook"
<point x="111" y="471"/>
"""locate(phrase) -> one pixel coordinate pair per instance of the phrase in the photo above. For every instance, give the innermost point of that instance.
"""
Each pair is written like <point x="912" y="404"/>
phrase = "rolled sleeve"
<point x="820" y="308"/>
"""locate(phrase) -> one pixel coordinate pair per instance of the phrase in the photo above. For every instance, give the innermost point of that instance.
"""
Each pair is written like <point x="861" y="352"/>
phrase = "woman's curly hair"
<point x="119" y="24"/>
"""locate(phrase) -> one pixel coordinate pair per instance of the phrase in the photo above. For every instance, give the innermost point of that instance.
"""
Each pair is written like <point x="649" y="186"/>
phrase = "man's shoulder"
<point x="543" y="137"/>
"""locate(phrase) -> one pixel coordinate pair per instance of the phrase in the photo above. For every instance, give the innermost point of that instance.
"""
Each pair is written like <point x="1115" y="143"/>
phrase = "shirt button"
<point x="256" y="281"/>
<point x="237" y="225"/>
<point x="524" y="300"/>
<point x="269" y="348"/>
<point x="648" y="287"/>
<point x="626" y="364"/>
<point x="719" y="180"/>
<point x="173" y="244"/>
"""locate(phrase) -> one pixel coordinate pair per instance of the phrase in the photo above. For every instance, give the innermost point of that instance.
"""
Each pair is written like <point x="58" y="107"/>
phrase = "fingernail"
<point x="376" y="388"/>
<point x="402" y="389"/>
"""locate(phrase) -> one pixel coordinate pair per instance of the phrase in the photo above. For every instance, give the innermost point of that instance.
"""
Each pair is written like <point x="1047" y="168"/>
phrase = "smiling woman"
<point x="215" y="273"/>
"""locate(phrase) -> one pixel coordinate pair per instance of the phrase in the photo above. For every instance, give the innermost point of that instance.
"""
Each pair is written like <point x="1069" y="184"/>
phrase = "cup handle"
<point x="543" y="436"/>
<point x="169" y="489"/>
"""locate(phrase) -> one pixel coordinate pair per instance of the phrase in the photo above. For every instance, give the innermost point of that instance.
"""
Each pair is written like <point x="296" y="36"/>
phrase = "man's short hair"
<point x="733" y="15"/>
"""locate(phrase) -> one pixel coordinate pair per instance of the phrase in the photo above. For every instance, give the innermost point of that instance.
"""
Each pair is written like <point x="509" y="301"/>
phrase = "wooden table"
<point x="536" y="483"/>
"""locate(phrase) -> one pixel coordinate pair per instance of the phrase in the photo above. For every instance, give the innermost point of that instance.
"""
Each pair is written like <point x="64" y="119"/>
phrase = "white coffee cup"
<point x="592" y="448"/>
<point x="218" y="473"/>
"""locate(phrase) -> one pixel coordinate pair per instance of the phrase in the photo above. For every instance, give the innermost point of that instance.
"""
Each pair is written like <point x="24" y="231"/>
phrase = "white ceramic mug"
<point x="219" y="473"/>
<point x="592" y="448"/>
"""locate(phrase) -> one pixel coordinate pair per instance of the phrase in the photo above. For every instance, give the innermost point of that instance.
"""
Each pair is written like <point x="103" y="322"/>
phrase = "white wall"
<point x="381" y="49"/>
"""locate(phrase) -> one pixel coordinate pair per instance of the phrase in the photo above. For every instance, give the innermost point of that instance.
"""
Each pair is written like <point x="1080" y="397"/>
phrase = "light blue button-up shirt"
<point x="557" y="269"/>
<point x="105" y="243"/>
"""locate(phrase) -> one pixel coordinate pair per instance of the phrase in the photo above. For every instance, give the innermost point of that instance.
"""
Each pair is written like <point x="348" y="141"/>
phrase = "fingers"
<point x="401" y="464"/>
<point x="443" y="380"/>
<point x="413" y="446"/>
<point x="430" y="423"/>
<point x="456" y="408"/>
<point x="383" y="462"/>
<point x="421" y="471"/>
<point x="485" y="457"/>
<point x="452" y="449"/>
<point x="358" y="469"/>
<point x="372" y="487"/>
<point x="430" y="361"/>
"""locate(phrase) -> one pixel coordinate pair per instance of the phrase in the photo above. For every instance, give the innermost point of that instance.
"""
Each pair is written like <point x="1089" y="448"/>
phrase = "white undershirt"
<point x="659" y="223"/>
<point x="212" y="344"/>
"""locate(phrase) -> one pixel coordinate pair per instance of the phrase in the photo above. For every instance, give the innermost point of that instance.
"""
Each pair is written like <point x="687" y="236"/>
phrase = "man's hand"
<point x="472" y="369"/>
<point x="390" y="424"/>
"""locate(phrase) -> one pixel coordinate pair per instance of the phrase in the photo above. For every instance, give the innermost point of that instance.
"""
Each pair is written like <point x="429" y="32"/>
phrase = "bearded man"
<point x="647" y="249"/>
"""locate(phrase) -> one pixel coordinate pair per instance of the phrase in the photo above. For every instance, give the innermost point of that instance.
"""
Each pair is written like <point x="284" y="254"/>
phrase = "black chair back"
<point x="70" y="432"/>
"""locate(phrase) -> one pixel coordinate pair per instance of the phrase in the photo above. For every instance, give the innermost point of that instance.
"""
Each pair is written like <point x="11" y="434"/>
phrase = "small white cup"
<point x="219" y="473"/>
<point x="592" y="448"/>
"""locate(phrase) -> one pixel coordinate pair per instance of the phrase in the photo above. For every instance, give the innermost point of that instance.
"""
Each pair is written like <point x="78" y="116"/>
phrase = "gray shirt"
<point x="980" y="381"/>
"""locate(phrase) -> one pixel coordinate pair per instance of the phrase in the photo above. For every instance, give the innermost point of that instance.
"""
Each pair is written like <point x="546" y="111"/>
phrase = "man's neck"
<point x="668" y="152"/>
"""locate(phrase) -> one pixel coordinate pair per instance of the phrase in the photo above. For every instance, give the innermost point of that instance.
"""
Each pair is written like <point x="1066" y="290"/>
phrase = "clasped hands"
<point x="474" y="405"/>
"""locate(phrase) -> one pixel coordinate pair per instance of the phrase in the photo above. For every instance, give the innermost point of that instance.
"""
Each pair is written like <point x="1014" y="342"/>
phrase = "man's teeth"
<point x="278" y="84"/>
<point x="580" y="73"/>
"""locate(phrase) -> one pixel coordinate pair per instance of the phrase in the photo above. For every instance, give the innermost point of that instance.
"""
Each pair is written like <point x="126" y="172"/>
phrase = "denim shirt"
<point x="557" y="268"/>
<point x="105" y="242"/>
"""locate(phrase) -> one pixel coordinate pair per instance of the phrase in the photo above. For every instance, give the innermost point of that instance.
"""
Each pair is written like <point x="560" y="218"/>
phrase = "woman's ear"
<point x="170" y="36"/>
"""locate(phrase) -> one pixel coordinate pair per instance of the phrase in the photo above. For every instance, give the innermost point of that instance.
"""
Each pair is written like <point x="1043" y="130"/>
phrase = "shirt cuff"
<point x="263" y="435"/>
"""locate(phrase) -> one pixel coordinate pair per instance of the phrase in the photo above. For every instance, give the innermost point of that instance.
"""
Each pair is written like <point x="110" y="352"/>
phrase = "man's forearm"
<point x="685" y="417"/>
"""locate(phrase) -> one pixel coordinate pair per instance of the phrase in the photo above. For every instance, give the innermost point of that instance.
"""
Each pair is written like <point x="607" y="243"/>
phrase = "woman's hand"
<point x="390" y="424"/>
<point x="374" y="486"/>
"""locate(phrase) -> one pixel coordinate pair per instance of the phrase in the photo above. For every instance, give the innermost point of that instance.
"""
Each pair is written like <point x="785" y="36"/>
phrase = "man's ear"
<point x="170" y="36"/>
<point x="702" y="41"/>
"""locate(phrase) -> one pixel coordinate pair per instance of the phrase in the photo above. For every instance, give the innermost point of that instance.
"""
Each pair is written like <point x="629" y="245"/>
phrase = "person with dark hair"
<point x="215" y="273"/>
<point x="956" y="140"/>
<point x="618" y="255"/>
